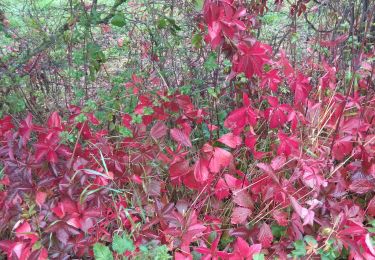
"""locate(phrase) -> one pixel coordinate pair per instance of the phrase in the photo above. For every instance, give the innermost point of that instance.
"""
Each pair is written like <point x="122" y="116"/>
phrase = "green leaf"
<point x="124" y="131"/>
<point x="102" y="252"/>
<point x="122" y="244"/>
<point x="198" y="4"/>
<point x="143" y="248"/>
<point x="136" y="119"/>
<point x="212" y="92"/>
<point x="90" y="106"/>
<point x="80" y="118"/>
<point x="329" y="252"/>
<point x="278" y="231"/>
<point x="173" y="24"/>
<point x="226" y="239"/>
<point x="222" y="115"/>
<point x="258" y="257"/>
<point x="148" y="111"/>
<point x="210" y="64"/>
<point x="227" y="63"/>
<point x="196" y="41"/>
<point x="66" y="137"/>
<point x="162" y="23"/>
<point x="161" y="253"/>
<point x="16" y="103"/>
<point x="186" y="89"/>
<point x="371" y="230"/>
<point x="300" y="249"/>
<point x="311" y="241"/>
<point x="118" y="20"/>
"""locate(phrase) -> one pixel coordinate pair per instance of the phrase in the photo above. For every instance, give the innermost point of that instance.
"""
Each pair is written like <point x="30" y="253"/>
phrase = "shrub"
<point x="287" y="171"/>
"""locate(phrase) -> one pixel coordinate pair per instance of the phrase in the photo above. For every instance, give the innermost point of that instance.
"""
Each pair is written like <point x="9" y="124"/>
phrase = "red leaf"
<point x="284" y="62"/>
<point x="43" y="254"/>
<point x="281" y="217"/>
<point x="277" y="114"/>
<point x="371" y="207"/>
<point x="273" y="101"/>
<point x="24" y="231"/>
<point x="362" y="186"/>
<point x="250" y="59"/>
<point x="201" y="172"/>
<point x="222" y="23"/>
<point x="74" y="222"/>
<point x="335" y="42"/>
<point x="272" y="79"/>
<point x="52" y="156"/>
<point x="239" y="118"/>
<point x="126" y="120"/>
<point x="306" y="215"/>
<point x="243" y="199"/>
<point x="288" y="145"/>
<point x="54" y="121"/>
<point x="23" y="228"/>
<point x="353" y="229"/>
<point x="5" y="125"/>
<point x="92" y="118"/>
<point x="301" y="87"/>
<point x="218" y="157"/>
<point x="250" y="141"/>
<point x="179" y="169"/>
<point x="159" y="130"/>
<point x="268" y="170"/>
<point x="230" y="140"/>
<point x="236" y="119"/>
<point x="278" y="162"/>
<point x="265" y="235"/>
<point x="232" y="182"/>
<point x="59" y="210"/>
<point x="342" y="147"/>
<point x="180" y="137"/>
<point x="239" y="215"/>
<point x="221" y="189"/>
<point x="40" y="198"/>
<point x="190" y="182"/>
<point x="242" y="250"/>
<point x="181" y="256"/>
<point x="26" y="127"/>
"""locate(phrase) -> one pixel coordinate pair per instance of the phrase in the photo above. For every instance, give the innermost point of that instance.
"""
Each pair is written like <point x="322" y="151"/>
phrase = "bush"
<point x="279" y="162"/>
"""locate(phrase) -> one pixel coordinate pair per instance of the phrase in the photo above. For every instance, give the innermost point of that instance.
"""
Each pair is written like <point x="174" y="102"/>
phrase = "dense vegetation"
<point x="216" y="129"/>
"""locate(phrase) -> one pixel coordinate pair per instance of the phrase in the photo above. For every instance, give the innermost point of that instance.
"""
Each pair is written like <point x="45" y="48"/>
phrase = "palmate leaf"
<point x="258" y="257"/>
<point x="242" y="250"/>
<point x="210" y="64"/>
<point x="252" y="59"/>
<point x="180" y="137"/>
<point x="265" y="235"/>
<point x="122" y="244"/>
<point x="300" y="249"/>
<point x="196" y="41"/>
<point x="102" y="252"/>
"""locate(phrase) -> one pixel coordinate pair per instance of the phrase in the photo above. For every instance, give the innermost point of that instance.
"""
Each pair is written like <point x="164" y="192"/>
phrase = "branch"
<point x="52" y="39"/>
<point x="325" y="31"/>
<point x="112" y="12"/>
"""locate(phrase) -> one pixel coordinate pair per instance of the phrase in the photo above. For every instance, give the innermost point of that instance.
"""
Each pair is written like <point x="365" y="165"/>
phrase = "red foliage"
<point x="315" y="173"/>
